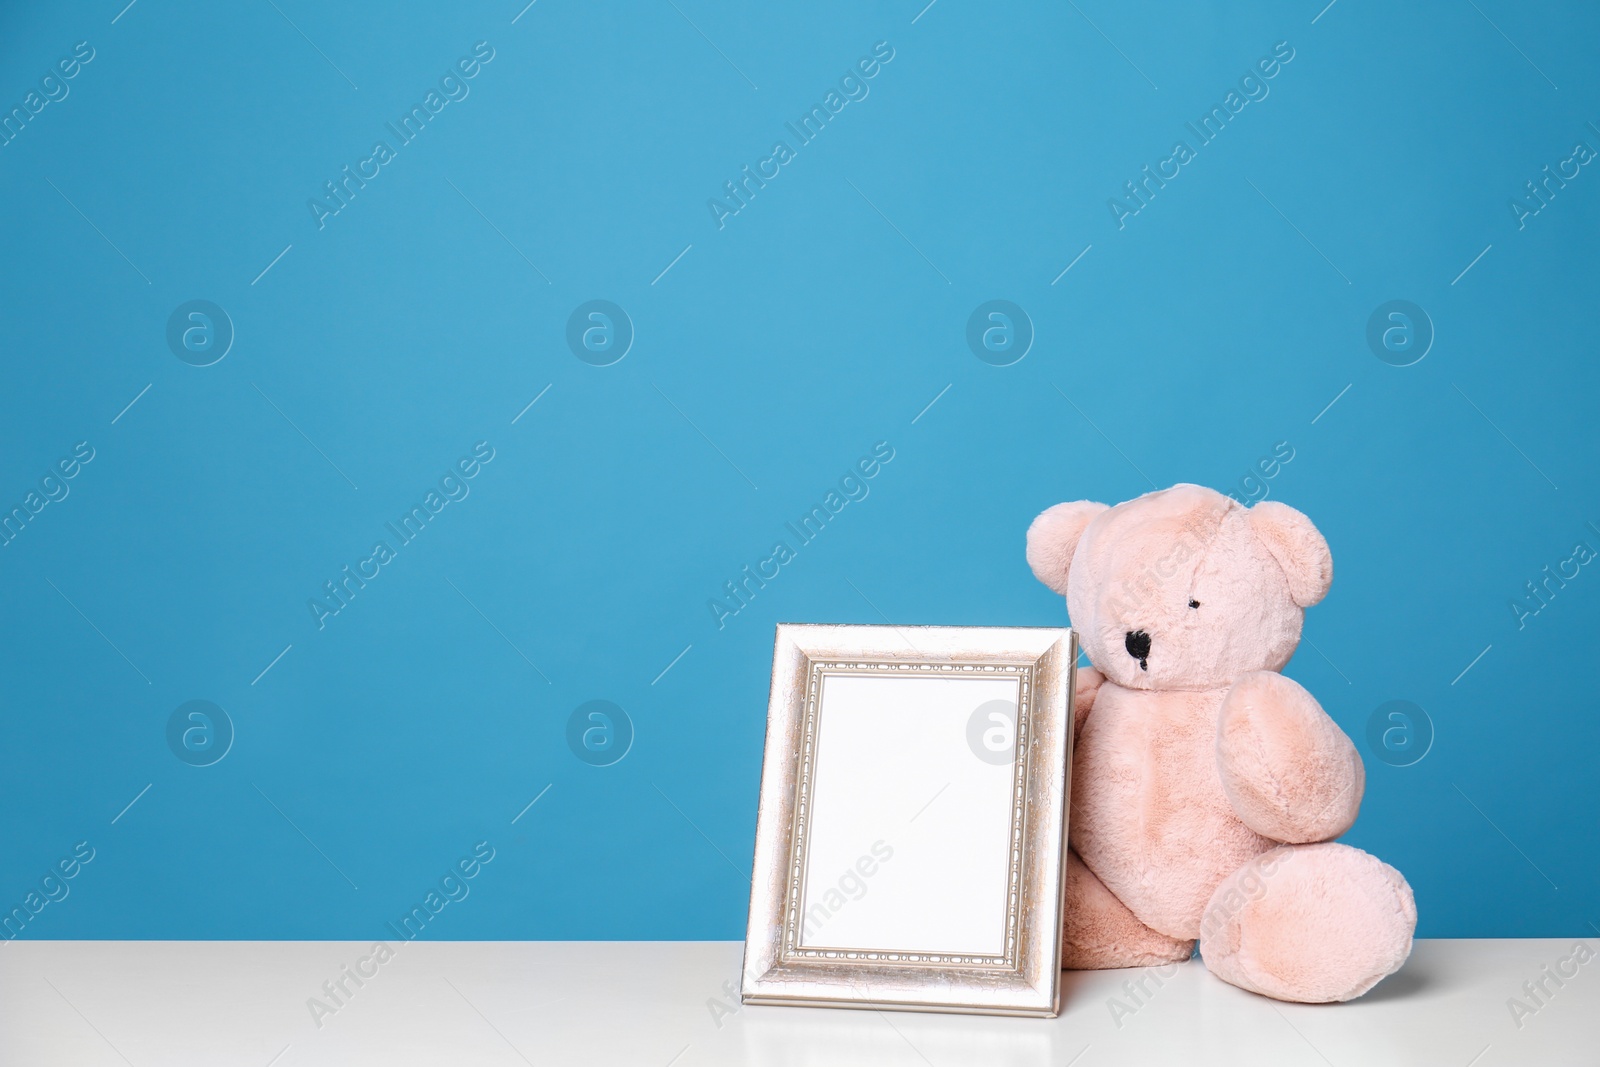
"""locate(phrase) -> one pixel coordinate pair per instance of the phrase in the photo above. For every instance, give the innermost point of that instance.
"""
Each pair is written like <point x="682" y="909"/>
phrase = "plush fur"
<point x="1206" y="787"/>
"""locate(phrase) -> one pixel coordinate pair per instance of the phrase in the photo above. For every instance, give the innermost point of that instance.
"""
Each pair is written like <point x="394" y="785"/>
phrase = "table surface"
<point x="655" y="1004"/>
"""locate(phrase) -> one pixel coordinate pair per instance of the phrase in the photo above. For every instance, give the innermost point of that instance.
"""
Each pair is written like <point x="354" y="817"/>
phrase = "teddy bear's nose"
<point x="1138" y="645"/>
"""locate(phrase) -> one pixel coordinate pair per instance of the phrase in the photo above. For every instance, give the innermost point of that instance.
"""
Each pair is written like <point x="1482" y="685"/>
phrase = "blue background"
<point x="824" y="317"/>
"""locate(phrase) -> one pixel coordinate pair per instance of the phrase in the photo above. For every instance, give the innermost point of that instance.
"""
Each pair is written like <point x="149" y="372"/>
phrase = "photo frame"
<point x="911" y="839"/>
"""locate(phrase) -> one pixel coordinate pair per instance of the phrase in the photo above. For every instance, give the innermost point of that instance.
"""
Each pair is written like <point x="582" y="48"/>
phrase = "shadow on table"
<point x="1408" y="982"/>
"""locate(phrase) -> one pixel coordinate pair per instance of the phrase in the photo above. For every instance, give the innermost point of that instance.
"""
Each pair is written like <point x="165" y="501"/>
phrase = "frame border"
<point x="1028" y="981"/>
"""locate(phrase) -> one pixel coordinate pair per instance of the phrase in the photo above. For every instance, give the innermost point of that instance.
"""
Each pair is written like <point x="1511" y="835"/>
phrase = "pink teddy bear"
<point x="1207" y="788"/>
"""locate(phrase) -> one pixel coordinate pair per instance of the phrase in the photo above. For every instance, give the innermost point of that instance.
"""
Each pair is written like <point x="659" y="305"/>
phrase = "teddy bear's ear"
<point x="1053" y="538"/>
<point x="1299" y="548"/>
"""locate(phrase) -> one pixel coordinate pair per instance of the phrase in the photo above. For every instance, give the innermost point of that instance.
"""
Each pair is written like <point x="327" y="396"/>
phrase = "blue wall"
<point x="375" y="347"/>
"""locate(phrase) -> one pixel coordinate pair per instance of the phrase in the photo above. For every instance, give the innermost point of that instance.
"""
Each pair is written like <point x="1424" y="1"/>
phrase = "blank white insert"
<point x="894" y="772"/>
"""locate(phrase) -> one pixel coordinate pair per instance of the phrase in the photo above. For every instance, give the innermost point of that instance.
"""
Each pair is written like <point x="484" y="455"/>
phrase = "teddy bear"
<point x="1207" y="788"/>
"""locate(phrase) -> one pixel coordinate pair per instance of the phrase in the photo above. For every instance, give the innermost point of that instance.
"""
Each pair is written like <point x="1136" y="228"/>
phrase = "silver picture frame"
<point x="862" y="723"/>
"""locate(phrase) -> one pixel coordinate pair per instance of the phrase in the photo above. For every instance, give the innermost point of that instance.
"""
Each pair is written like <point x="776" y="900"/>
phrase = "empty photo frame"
<point x="911" y="840"/>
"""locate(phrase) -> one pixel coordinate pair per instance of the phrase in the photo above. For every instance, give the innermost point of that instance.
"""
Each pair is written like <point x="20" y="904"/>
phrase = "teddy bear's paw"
<point x="1100" y="932"/>
<point x="1309" y="923"/>
<point x="1290" y="773"/>
<point x="1084" y="688"/>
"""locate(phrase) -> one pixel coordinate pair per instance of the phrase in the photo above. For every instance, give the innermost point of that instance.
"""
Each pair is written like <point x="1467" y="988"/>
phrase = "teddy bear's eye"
<point x="1194" y="603"/>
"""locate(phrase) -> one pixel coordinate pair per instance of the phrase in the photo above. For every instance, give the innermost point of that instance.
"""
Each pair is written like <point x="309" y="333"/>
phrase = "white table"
<point x="651" y="1004"/>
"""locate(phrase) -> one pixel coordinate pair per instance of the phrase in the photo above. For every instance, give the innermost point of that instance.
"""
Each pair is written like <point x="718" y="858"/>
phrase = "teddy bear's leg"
<point x="1309" y="923"/>
<point x="1100" y="932"/>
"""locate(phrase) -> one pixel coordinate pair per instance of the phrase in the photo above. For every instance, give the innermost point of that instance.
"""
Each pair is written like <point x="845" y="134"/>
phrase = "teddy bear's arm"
<point x="1290" y="773"/>
<point x="1084" y="690"/>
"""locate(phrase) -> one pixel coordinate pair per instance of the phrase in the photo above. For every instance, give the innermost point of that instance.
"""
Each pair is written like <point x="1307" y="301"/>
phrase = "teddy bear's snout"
<point x="1138" y="645"/>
